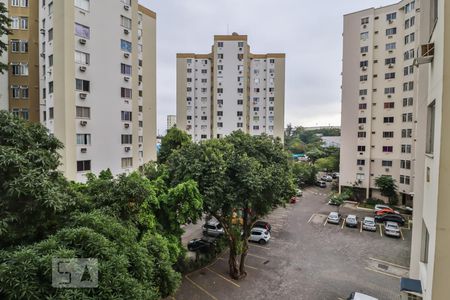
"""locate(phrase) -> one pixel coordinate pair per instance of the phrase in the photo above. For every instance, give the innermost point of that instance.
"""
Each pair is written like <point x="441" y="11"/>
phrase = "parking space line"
<point x="401" y="234"/>
<point x="325" y="223"/>
<point x="259" y="246"/>
<point x="360" y="228"/>
<point x="343" y="222"/>
<point x="389" y="263"/>
<point x="223" y="277"/>
<point x="381" y="230"/>
<point x="200" y="288"/>
<point x="311" y="217"/>
<point x="257" y="256"/>
<point x="251" y="267"/>
<point x="384" y="273"/>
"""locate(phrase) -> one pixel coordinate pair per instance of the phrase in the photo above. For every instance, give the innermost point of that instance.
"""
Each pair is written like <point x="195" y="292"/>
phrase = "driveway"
<point x="309" y="259"/>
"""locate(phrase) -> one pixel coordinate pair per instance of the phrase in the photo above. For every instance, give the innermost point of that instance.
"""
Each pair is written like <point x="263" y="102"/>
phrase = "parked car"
<point x="360" y="296"/>
<point x="392" y="218"/>
<point x="368" y="223"/>
<point x="335" y="175"/>
<point x="381" y="206"/>
<point x="334" y="218"/>
<point x="213" y="228"/>
<point x="204" y="244"/>
<point x="351" y="221"/>
<point x="262" y="224"/>
<point x="259" y="235"/>
<point x="321" y="183"/>
<point x="386" y="211"/>
<point x="392" y="229"/>
<point x="327" y="178"/>
<point x="299" y="193"/>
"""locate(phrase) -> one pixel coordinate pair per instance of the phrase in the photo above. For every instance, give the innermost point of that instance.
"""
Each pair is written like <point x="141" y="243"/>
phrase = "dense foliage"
<point x="388" y="188"/>
<point x="4" y="30"/>
<point x="173" y="140"/>
<point x="130" y="223"/>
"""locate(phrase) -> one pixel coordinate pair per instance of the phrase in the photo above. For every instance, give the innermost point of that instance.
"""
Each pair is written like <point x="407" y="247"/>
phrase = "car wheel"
<point x="262" y="242"/>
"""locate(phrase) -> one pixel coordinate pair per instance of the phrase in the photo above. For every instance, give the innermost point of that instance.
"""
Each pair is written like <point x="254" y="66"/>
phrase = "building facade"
<point x="171" y="121"/>
<point x="98" y="83"/>
<point x="230" y="89"/>
<point x="19" y="87"/>
<point x="430" y="255"/>
<point x="379" y="98"/>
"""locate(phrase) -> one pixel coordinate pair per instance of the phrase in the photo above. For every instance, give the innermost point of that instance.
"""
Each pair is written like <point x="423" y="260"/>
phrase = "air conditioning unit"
<point x="42" y="31"/>
<point x="360" y="168"/>
<point x="426" y="54"/>
<point x="387" y="170"/>
<point x="42" y="54"/>
<point x="364" y="68"/>
<point x="83" y="96"/>
<point x="362" y="98"/>
<point x="83" y="68"/>
<point x="82" y="41"/>
<point x="389" y="96"/>
<point x="83" y="150"/>
<point x="361" y="127"/>
<point x="127" y="149"/>
<point x="126" y="125"/>
<point x="391" y="21"/>
<point x="364" y="26"/>
<point x="126" y="78"/>
<point x="126" y="31"/>
<point x="126" y="55"/>
<point x="126" y="7"/>
<point x="83" y="123"/>
<point x="391" y="66"/>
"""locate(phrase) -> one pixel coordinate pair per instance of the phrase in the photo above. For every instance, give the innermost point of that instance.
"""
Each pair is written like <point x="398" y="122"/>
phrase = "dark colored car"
<point x="202" y="244"/>
<point x="263" y="224"/>
<point x="399" y="219"/>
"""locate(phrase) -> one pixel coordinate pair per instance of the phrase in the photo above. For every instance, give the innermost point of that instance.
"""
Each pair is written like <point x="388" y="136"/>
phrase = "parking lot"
<point x="309" y="259"/>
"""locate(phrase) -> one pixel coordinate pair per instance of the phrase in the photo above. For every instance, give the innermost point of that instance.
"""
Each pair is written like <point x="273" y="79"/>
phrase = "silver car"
<point x="213" y="228"/>
<point x="392" y="229"/>
<point x="351" y="221"/>
<point x="369" y="224"/>
<point x="334" y="218"/>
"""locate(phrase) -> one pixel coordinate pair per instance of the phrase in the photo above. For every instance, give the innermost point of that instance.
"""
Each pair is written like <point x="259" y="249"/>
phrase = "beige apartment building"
<point x="98" y="83"/>
<point x="430" y="250"/>
<point x="171" y="121"/>
<point x="230" y="89"/>
<point x="379" y="98"/>
<point x="19" y="88"/>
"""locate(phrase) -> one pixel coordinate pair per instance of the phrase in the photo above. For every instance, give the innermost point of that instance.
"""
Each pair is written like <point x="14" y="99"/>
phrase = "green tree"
<point x="296" y="146"/>
<point x="314" y="154"/>
<point x="4" y="30"/>
<point x="304" y="173"/>
<point x="174" y="139"/>
<point x="238" y="174"/>
<point x="326" y="163"/>
<point x="388" y="188"/>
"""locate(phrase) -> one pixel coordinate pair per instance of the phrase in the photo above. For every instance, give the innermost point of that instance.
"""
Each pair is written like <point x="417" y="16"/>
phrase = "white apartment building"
<point x="98" y="83"/>
<point x="230" y="89"/>
<point x="171" y="121"/>
<point x="4" y="98"/>
<point x="379" y="98"/>
<point x="430" y="250"/>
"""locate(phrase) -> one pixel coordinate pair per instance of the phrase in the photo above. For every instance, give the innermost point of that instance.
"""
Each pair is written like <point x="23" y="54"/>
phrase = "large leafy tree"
<point x="174" y="139"/>
<point x="305" y="173"/>
<point x="4" y="30"/>
<point x="238" y="175"/>
<point x="388" y="188"/>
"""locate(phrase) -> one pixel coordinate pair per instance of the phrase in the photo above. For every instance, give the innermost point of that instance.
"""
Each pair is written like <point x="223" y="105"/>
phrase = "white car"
<point x="360" y="296"/>
<point x="213" y="228"/>
<point x="334" y="218"/>
<point x="392" y="229"/>
<point x="379" y="207"/>
<point x="369" y="224"/>
<point x="351" y="221"/>
<point x="259" y="235"/>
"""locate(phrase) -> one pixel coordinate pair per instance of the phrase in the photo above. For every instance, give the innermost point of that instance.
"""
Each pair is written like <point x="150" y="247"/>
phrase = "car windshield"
<point x="370" y="222"/>
<point x="391" y="226"/>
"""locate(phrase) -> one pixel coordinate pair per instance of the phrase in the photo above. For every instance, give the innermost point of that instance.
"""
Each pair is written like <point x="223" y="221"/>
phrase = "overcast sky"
<point x="309" y="32"/>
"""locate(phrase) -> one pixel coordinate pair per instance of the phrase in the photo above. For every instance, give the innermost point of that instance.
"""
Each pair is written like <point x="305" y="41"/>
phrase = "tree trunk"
<point x="232" y="262"/>
<point x="242" y="271"/>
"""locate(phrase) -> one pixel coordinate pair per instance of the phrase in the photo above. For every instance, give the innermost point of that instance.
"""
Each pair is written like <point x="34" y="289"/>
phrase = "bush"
<point x="374" y="201"/>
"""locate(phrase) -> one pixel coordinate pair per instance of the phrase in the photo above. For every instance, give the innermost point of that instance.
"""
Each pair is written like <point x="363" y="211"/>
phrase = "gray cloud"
<point x="309" y="32"/>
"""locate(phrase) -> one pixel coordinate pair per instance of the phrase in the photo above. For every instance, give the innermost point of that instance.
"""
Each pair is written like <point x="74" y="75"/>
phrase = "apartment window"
<point x="125" y="69"/>
<point x="388" y="120"/>
<point x="360" y="176"/>
<point x="83" y="112"/>
<point x="388" y="134"/>
<point x="407" y="117"/>
<point x="15" y="23"/>
<point x="388" y="149"/>
<point x="126" y="93"/>
<point x="15" y="2"/>
<point x="83" y="165"/>
<point x="405" y="164"/>
<point x="408" y="70"/>
<point x="51" y="113"/>
<point x="391" y="31"/>
<point x="19" y="69"/>
<point x="405" y="179"/>
<point x="389" y="61"/>
<point x="127" y="139"/>
<point x="82" y="85"/>
<point x="363" y="78"/>
<point x="391" y="16"/>
<point x="389" y="75"/>
<point x="431" y="112"/>
<point x="127" y="162"/>
<point x="204" y="71"/>
<point x="365" y="49"/>
<point x="239" y="113"/>
<point x="220" y="44"/>
<point x="82" y="31"/>
<point x="408" y="54"/>
<point x="390" y="46"/>
<point x="84" y="139"/>
<point x="272" y="99"/>
<point x="363" y="92"/>
<point x="364" y="35"/>
<point x="389" y="104"/>
<point x="126" y="115"/>
<point x="204" y="90"/>
<point x="125" y="22"/>
<point x="203" y="136"/>
<point x="188" y="117"/>
<point x="240" y="56"/>
<point x="271" y="108"/>
<point x="50" y="87"/>
<point x="408" y="101"/>
<point x="389" y="90"/>
<point x="204" y="80"/>
<point x="255" y="108"/>
<point x="125" y="46"/>
<point x="50" y="34"/>
<point x="15" y="45"/>
<point x="406" y="148"/>
<point x="363" y="63"/>
<point x="424" y="245"/>
<point x="82" y="4"/>
<point x="220" y="67"/>
<point x="361" y="162"/>
<point x="80" y="58"/>
<point x="361" y="148"/>
<point x="50" y="8"/>
<point x="50" y="60"/>
<point x="241" y="90"/>
<point x="240" y="102"/>
<point x="255" y="127"/>
<point x="406" y="133"/>
<point x="204" y="118"/>
<point x="219" y="90"/>
<point x="189" y="99"/>
<point x="220" y="124"/>
<point x="240" y="125"/>
<point x="365" y="21"/>
<point x="15" y="112"/>
<point x="361" y="134"/>
<point x="360" y="120"/>
<point x="188" y="89"/>
<point x="220" y="113"/>
<point x="363" y="106"/>
<point x="15" y="91"/>
<point x="386" y="163"/>
<point x="23" y="23"/>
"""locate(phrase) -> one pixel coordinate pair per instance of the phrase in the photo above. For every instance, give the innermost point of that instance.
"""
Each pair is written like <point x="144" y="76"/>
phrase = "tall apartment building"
<point x="171" y="121"/>
<point x="19" y="87"/>
<point x="98" y="83"/>
<point x="430" y="255"/>
<point x="230" y="89"/>
<point x="379" y="98"/>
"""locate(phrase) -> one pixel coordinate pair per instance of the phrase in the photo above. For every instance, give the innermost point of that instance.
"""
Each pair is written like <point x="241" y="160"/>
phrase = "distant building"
<point x="171" y="121"/>
<point x="230" y="89"/>
<point x="331" y="141"/>
<point x="320" y="127"/>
